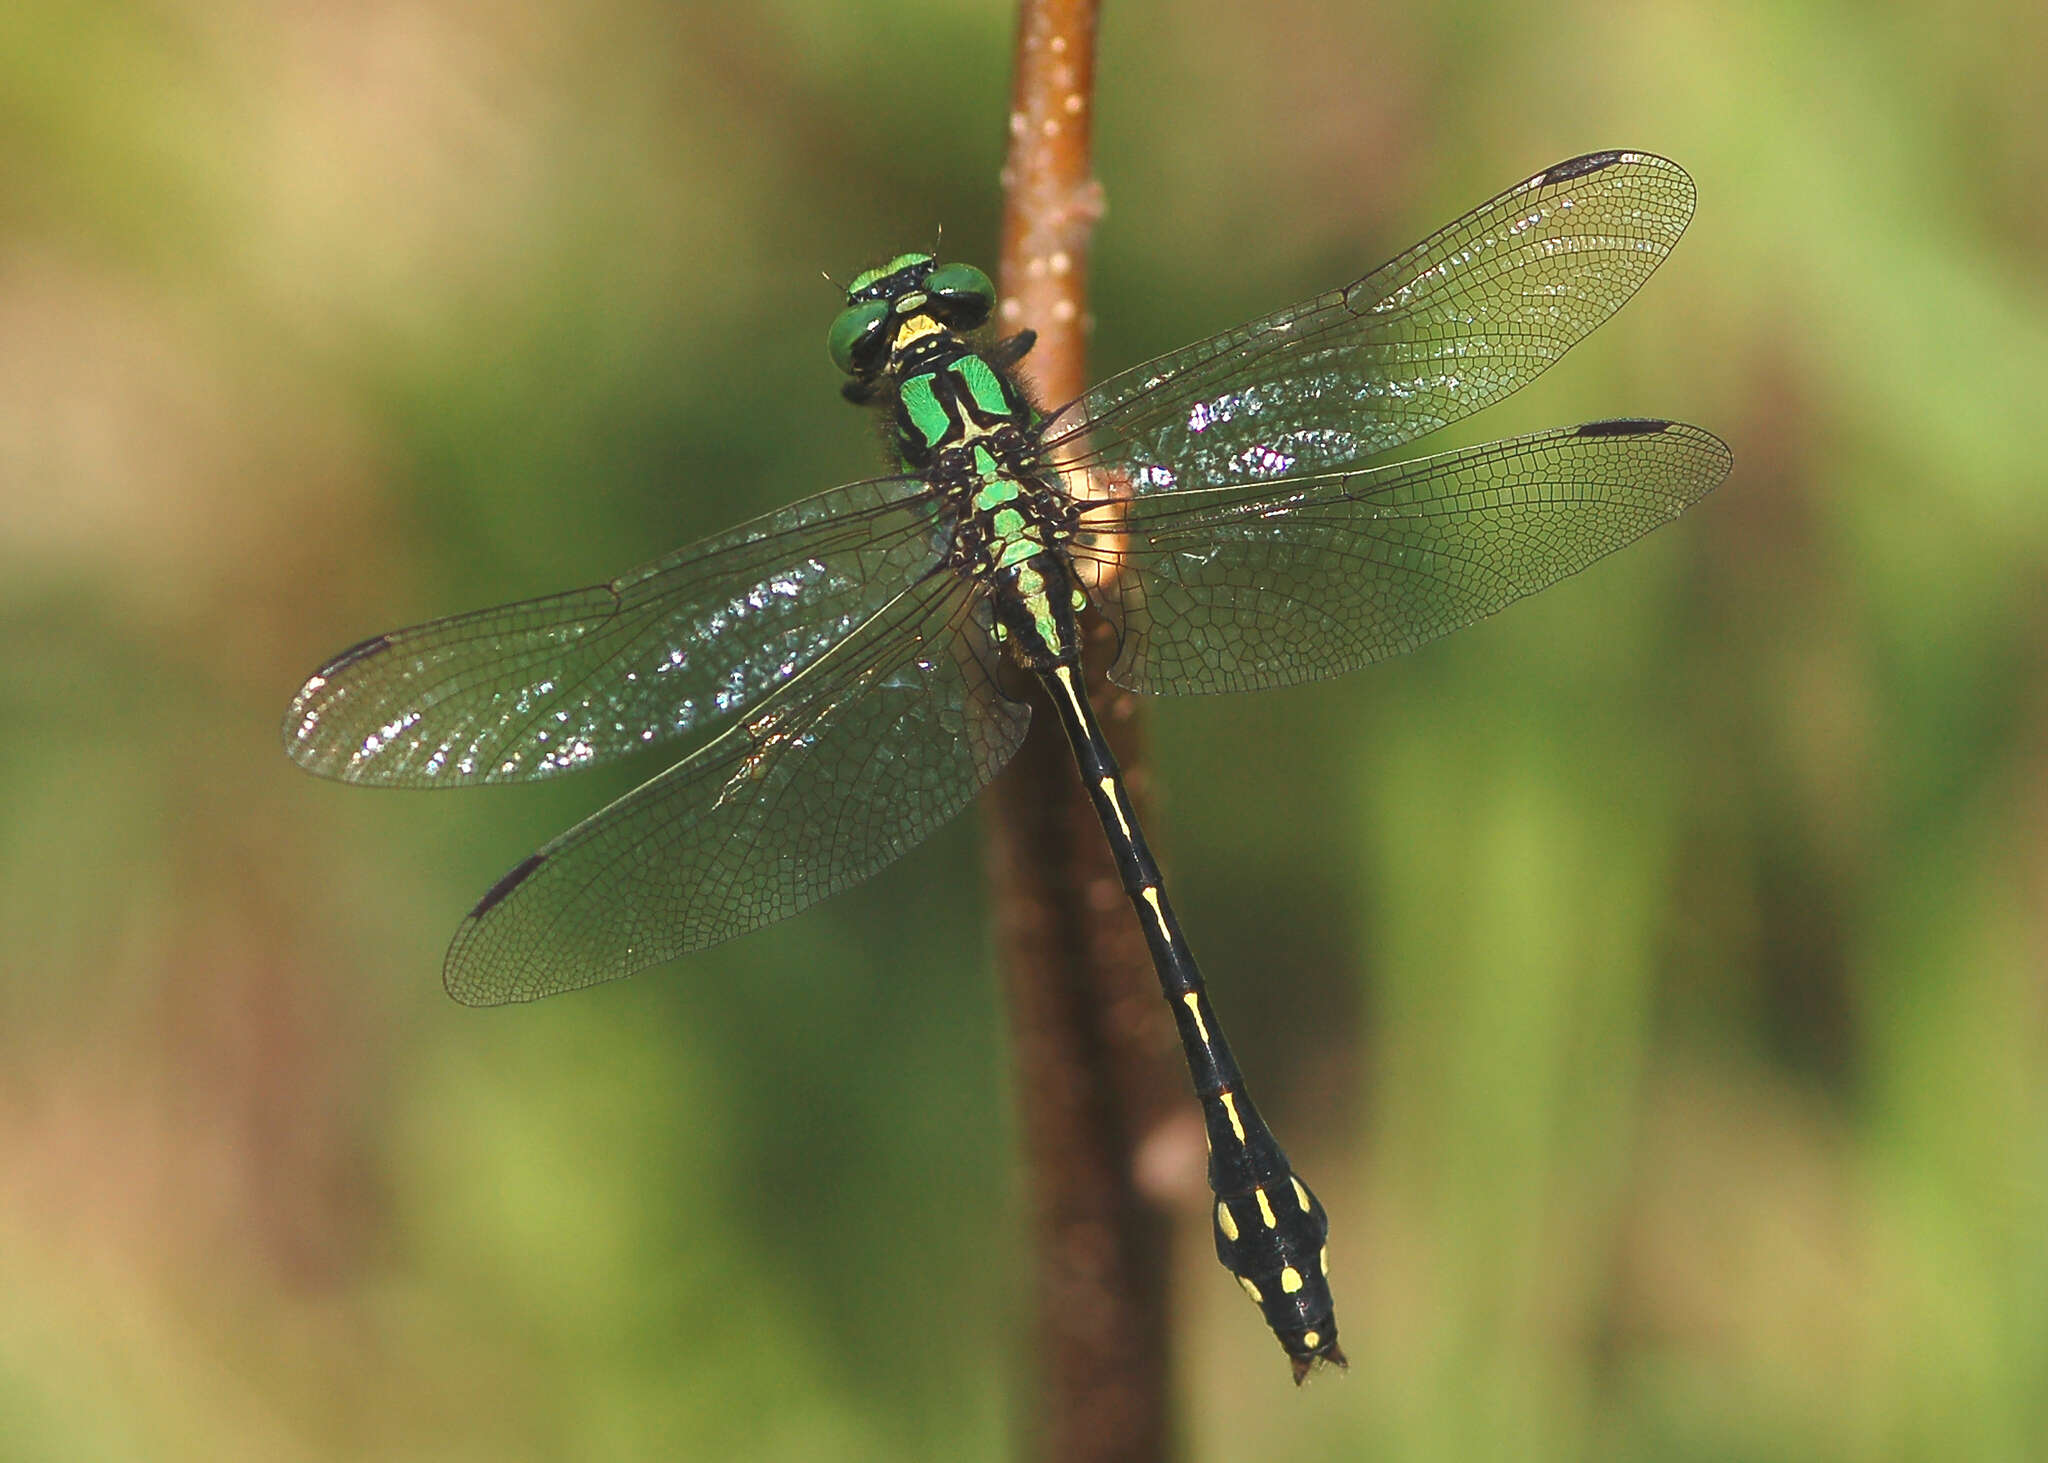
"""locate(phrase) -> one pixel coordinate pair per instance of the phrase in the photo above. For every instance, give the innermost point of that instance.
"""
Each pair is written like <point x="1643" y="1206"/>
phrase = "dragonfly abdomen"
<point x="1271" y="1233"/>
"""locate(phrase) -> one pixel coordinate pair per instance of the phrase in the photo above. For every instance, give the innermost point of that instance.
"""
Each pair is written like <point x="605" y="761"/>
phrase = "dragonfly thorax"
<point x="961" y="421"/>
<point x="966" y="427"/>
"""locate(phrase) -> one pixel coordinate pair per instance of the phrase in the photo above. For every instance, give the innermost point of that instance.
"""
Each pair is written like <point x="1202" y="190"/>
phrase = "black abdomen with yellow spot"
<point x="964" y="424"/>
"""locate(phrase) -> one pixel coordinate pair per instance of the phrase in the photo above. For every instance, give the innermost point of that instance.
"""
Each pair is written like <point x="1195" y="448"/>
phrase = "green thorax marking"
<point x="985" y="387"/>
<point x="997" y="487"/>
<point x="921" y="405"/>
<point x="1013" y="537"/>
<point x="1016" y="538"/>
<point x="953" y="397"/>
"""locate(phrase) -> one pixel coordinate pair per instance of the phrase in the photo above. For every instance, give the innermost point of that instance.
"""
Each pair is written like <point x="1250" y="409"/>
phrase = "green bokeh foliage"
<point x="1650" y="979"/>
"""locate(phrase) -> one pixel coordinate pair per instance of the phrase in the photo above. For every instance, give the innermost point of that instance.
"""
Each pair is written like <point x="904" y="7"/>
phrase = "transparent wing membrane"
<point x="846" y="767"/>
<point x="548" y="685"/>
<point x="1472" y="313"/>
<point x="1217" y="503"/>
<point x="1240" y="588"/>
<point x="837" y="640"/>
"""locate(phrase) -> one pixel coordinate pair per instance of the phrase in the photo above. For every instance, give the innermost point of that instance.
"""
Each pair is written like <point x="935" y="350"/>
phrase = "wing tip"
<point x="302" y="721"/>
<point x="299" y="731"/>
<point x="1712" y="458"/>
<point x="361" y="650"/>
<point x="499" y="892"/>
<point x="1580" y="166"/>
<point x="1651" y="427"/>
<point x="1656" y="427"/>
<point x="461" y="976"/>
<point x="1588" y="163"/>
<point x="1624" y="427"/>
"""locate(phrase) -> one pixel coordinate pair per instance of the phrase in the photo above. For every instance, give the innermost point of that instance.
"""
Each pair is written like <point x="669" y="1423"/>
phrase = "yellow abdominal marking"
<point x="1300" y="1194"/>
<point x="1225" y="1223"/>
<point x="1108" y="785"/>
<point x="1193" y="1001"/>
<point x="1065" y="674"/>
<point x="1326" y="1259"/>
<point x="1311" y="1339"/>
<point x="1251" y="1290"/>
<point x="1230" y="1107"/>
<point x="1159" y="918"/>
<point x="1266" y="1209"/>
<point x="1290" y="1280"/>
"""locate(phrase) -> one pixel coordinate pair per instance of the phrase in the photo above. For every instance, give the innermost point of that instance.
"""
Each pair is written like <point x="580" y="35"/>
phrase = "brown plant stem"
<point x="1094" y="1046"/>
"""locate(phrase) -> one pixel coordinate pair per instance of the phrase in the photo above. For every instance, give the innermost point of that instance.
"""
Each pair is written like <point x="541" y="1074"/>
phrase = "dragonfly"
<point x="862" y="654"/>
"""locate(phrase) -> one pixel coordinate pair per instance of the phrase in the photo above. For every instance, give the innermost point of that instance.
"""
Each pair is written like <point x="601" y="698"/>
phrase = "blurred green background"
<point x="1650" y="980"/>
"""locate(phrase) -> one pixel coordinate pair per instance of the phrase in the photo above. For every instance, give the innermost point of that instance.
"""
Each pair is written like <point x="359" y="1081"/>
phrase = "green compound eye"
<point x="962" y="285"/>
<point x="853" y="329"/>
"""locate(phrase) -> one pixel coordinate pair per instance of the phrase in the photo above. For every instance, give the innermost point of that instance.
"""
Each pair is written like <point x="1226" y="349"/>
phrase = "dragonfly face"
<point x="892" y="307"/>
<point x="843" y="643"/>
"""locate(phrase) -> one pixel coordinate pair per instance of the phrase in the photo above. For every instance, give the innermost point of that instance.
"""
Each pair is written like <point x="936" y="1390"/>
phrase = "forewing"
<point x="1469" y="315"/>
<point x="1235" y="589"/>
<point x="527" y="690"/>
<point x="842" y="770"/>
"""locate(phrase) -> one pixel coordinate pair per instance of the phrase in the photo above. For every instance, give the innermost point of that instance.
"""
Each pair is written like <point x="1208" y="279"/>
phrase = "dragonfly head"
<point x="895" y="305"/>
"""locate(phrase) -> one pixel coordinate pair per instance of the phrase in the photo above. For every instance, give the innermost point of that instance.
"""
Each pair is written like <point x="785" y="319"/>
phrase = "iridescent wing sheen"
<point x="1269" y="584"/>
<point x="846" y="766"/>
<point x="528" y="690"/>
<point x="1469" y="315"/>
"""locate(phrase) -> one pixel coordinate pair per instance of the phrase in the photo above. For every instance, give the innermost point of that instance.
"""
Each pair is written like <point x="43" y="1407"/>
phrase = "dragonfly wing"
<point x="843" y="769"/>
<point x="527" y="690"/>
<point x="1469" y="315"/>
<point x="1269" y="584"/>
